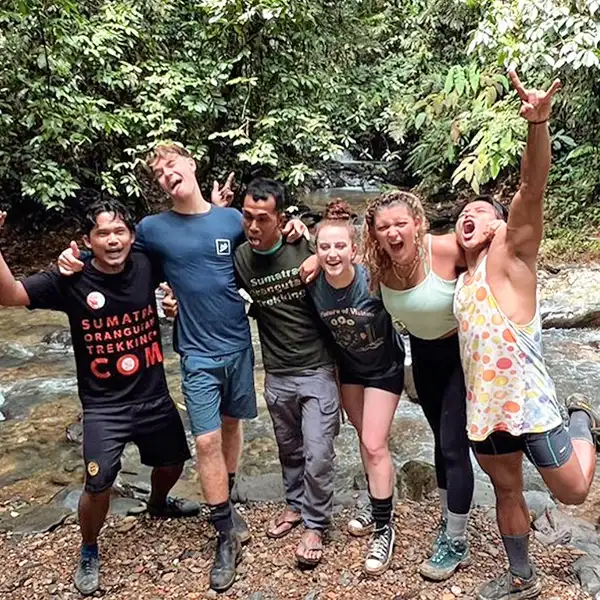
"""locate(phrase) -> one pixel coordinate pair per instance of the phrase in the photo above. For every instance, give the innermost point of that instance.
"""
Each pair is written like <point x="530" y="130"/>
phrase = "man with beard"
<point x="512" y="407"/>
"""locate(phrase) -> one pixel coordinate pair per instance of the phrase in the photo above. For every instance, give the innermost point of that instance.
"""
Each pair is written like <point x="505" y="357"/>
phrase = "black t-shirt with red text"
<point x="114" y="329"/>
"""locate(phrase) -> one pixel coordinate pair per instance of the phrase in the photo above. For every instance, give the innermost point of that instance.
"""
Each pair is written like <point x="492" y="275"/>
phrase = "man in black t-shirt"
<point x="121" y="380"/>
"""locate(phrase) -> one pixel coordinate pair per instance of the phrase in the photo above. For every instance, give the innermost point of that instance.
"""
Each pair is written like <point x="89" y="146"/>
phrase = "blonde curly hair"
<point x="375" y="258"/>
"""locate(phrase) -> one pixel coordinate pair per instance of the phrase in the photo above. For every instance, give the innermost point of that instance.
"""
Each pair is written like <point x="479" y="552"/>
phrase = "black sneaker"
<point x="227" y="556"/>
<point x="579" y="402"/>
<point x="381" y="551"/>
<point x="510" y="587"/>
<point x="240" y="527"/>
<point x="174" y="508"/>
<point x="363" y="522"/>
<point x="87" y="577"/>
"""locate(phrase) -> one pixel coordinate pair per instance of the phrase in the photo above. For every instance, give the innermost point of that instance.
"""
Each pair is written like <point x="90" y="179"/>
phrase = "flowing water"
<point x="38" y="400"/>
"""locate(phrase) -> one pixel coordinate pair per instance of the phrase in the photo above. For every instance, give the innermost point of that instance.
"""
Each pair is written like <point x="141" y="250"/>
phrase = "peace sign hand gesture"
<point x="536" y="105"/>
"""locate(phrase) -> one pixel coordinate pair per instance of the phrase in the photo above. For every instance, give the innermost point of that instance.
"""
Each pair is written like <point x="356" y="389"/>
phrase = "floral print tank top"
<point x="508" y="386"/>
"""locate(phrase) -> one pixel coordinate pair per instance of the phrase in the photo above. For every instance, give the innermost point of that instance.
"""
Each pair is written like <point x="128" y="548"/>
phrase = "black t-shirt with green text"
<point x="292" y="337"/>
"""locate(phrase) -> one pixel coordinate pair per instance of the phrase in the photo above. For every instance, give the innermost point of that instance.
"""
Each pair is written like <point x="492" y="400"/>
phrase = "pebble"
<point x="456" y="590"/>
<point x="168" y="576"/>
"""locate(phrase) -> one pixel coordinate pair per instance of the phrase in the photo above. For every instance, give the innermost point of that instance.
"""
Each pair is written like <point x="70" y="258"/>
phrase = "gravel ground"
<point x="145" y="559"/>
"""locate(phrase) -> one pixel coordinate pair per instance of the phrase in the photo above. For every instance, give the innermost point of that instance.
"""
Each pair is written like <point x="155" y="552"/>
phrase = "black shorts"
<point x="390" y="381"/>
<point x="549" y="449"/>
<point x="155" y="427"/>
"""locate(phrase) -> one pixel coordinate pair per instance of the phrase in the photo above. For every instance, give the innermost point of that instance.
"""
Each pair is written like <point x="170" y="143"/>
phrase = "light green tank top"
<point x="426" y="310"/>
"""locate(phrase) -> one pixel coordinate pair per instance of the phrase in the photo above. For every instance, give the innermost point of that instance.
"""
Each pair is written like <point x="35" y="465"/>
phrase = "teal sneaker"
<point x="446" y="560"/>
<point x="441" y="534"/>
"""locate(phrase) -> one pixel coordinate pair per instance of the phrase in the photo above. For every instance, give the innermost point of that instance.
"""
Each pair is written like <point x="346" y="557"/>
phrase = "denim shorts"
<point x="216" y="386"/>
<point x="548" y="449"/>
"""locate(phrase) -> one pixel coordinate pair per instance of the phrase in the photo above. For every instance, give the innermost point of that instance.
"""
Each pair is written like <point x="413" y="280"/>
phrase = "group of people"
<point x="325" y="309"/>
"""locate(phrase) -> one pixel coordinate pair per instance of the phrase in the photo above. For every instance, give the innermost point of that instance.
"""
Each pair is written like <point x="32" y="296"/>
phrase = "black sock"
<point x="220" y="517"/>
<point x="367" y="480"/>
<point x="382" y="511"/>
<point x="517" y="549"/>
<point x="580" y="426"/>
<point x="231" y="482"/>
<point x="89" y="549"/>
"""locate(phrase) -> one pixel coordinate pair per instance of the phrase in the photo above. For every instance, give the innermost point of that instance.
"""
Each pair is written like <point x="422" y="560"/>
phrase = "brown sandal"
<point x="301" y="557"/>
<point x="279" y="522"/>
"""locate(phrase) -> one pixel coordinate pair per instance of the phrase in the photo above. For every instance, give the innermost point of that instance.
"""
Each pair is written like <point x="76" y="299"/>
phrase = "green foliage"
<point x="284" y="85"/>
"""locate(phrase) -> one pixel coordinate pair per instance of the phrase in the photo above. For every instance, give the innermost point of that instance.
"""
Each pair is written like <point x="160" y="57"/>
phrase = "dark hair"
<point x="261" y="188"/>
<point x="118" y="209"/>
<point x="501" y="210"/>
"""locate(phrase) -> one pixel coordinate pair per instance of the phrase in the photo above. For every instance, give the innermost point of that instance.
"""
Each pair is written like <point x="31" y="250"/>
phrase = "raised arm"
<point x="525" y="221"/>
<point x="12" y="292"/>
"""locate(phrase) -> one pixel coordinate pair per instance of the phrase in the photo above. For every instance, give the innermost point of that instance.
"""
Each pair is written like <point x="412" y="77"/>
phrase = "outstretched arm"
<point x="525" y="221"/>
<point x="12" y="292"/>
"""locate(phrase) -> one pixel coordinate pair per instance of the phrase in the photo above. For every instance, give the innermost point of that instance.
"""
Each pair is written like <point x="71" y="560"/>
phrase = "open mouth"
<point x="175" y="183"/>
<point x="397" y="246"/>
<point x="468" y="228"/>
<point x="114" y="253"/>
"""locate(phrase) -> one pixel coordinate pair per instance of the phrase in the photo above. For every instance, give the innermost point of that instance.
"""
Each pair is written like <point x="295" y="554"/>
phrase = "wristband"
<point x="539" y="122"/>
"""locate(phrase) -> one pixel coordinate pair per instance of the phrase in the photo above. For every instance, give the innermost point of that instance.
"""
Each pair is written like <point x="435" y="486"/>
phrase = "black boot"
<point x="227" y="555"/>
<point x="240" y="527"/>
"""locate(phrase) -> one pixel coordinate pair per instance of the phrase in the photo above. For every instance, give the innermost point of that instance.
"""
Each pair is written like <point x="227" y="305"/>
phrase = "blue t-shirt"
<point x="196" y="254"/>
<point x="366" y="341"/>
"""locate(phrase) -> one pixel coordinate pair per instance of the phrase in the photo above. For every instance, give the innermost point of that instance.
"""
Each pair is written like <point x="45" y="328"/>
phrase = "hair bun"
<point x="339" y="210"/>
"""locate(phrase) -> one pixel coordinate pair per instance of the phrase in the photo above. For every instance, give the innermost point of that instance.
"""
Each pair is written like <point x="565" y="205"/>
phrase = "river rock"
<point x="60" y="339"/>
<point x="415" y="480"/>
<point x="571" y="297"/>
<point x="35" y="519"/>
<point x="587" y="569"/>
<point x="267" y="487"/>
<point x="557" y="527"/>
<point x="13" y="354"/>
<point x="74" y="432"/>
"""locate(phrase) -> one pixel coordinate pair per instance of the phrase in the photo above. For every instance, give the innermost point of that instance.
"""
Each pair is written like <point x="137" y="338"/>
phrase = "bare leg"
<point x="353" y="404"/>
<point x="506" y="473"/>
<point x="233" y="441"/>
<point x="211" y="467"/>
<point x="163" y="479"/>
<point x="379" y="407"/>
<point x="92" y="514"/>
<point x="571" y="482"/>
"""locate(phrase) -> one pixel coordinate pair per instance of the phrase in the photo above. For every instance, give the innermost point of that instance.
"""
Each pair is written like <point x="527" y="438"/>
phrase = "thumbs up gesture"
<point x="169" y="302"/>
<point x="69" y="261"/>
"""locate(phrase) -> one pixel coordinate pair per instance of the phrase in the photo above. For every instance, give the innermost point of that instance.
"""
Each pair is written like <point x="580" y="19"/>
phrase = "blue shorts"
<point x="212" y="387"/>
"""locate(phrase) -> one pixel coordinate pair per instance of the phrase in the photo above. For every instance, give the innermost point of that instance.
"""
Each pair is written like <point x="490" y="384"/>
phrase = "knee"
<point x="319" y="457"/>
<point x="208" y="444"/>
<point x="376" y="449"/>
<point x="93" y="497"/>
<point x="508" y="494"/>
<point x="230" y="425"/>
<point x="577" y="494"/>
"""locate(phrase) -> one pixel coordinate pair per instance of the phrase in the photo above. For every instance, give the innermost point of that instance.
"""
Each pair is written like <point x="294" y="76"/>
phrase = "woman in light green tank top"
<point x="416" y="274"/>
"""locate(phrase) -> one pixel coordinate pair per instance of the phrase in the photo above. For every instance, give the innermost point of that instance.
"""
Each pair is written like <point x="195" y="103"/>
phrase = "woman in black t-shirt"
<point x="371" y="367"/>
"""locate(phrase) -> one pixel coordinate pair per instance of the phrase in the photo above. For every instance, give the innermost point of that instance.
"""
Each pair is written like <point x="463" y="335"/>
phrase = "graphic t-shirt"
<point x="292" y="338"/>
<point x="367" y="343"/>
<point x="114" y="329"/>
<point x="196" y="254"/>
